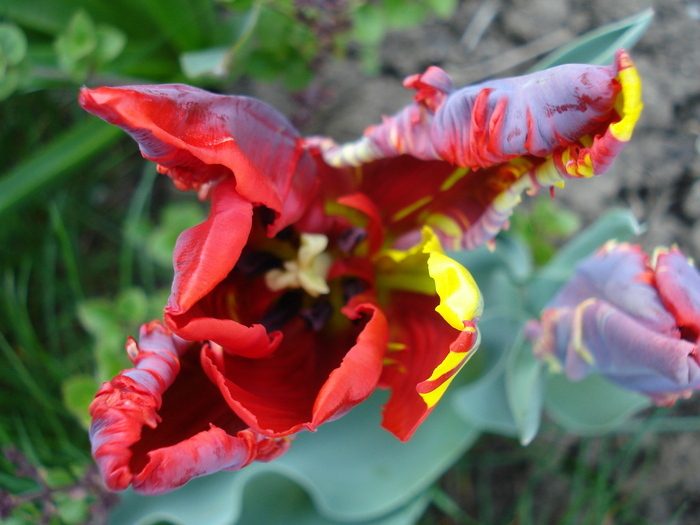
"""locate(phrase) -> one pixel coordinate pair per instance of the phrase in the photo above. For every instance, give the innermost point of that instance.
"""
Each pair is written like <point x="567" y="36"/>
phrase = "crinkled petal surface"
<point x="598" y="337"/>
<point x="198" y="137"/>
<point x="620" y="275"/>
<point x="162" y="423"/>
<point x="463" y="158"/>
<point x="678" y="284"/>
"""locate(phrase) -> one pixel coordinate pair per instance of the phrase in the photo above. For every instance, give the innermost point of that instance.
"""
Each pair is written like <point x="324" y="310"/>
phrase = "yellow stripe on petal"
<point x="460" y="299"/>
<point x="629" y="103"/>
<point x="454" y="178"/>
<point x="408" y="210"/>
<point x="450" y="366"/>
<point x="577" y="332"/>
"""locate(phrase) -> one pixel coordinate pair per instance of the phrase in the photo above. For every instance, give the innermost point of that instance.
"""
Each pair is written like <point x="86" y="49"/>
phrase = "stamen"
<point x="255" y="263"/>
<point x="350" y="238"/>
<point x="308" y="272"/>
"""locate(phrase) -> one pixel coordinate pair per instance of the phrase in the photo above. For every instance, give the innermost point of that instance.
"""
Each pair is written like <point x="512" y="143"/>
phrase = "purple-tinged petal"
<point x="597" y="337"/>
<point x="199" y="138"/>
<point x="478" y="149"/>
<point x="629" y="318"/>
<point x="498" y="120"/>
<point x="162" y="423"/>
<point x="619" y="274"/>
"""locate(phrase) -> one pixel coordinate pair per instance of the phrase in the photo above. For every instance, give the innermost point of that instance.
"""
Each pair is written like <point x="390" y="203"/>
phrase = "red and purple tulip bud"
<point x="632" y="318"/>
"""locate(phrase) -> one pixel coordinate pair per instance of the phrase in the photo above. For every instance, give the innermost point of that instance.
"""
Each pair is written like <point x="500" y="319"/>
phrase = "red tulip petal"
<point x="421" y="343"/>
<point x="204" y="256"/>
<point x="312" y="377"/>
<point x="359" y="372"/>
<point x="162" y="423"/>
<point x="678" y="284"/>
<point x="198" y="137"/>
<point x="206" y="253"/>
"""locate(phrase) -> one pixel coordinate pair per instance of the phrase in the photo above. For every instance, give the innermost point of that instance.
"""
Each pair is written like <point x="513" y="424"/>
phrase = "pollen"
<point x="309" y="271"/>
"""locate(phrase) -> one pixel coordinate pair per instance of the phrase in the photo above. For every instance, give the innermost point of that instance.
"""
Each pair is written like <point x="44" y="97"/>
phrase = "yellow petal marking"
<point x="629" y="102"/>
<point x="460" y="299"/>
<point x="453" y="361"/>
<point x="405" y="212"/>
<point x="454" y="177"/>
<point x="577" y="332"/>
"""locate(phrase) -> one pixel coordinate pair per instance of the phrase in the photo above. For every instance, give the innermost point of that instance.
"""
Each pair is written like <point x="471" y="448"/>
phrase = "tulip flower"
<point x="632" y="318"/>
<point x="320" y="275"/>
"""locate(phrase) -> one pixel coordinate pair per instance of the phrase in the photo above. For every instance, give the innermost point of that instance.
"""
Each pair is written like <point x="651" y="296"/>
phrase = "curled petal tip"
<point x="143" y="435"/>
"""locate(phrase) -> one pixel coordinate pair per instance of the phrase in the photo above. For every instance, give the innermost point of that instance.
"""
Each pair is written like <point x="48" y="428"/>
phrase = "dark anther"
<point x="282" y="311"/>
<point x="267" y="215"/>
<point x="352" y="287"/>
<point x="351" y="238"/>
<point x="256" y="263"/>
<point x="317" y="316"/>
<point x="285" y="234"/>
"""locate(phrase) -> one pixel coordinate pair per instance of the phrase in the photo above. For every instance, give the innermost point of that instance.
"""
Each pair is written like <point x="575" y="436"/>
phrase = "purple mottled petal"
<point x="528" y="115"/>
<point x="619" y="274"/>
<point x="595" y="336"/>
<point x="481" y="147"/>
<point x="492" y="122"/>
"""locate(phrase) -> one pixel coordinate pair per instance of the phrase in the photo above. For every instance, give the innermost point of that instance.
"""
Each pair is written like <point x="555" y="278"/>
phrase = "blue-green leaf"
<point x="326" y="465"/>
<point x="524" y="389"/>
<point x="599" y="46"/>
<point x="592" y="406"/>
<point x="484" y="402"/>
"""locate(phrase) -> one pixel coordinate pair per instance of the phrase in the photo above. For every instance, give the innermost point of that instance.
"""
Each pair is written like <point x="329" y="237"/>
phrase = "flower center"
<point x="308" y="271"/>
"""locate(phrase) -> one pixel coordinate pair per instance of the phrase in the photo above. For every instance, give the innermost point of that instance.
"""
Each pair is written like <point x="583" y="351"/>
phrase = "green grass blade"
<point x="67" y="250"/>
<point x="54" y="161"/>
<point x="137" y="209"/>
<point x="185" y="23"/>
